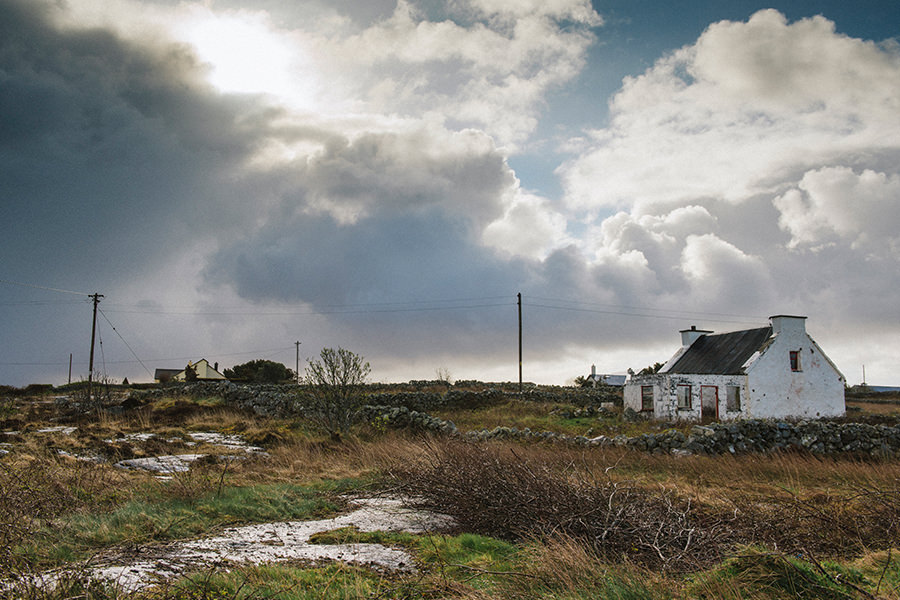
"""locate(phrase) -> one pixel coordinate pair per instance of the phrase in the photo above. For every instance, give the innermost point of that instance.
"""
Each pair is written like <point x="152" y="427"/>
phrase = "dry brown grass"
<point x="662" y="511"/>
<point x="35" y="489"/>
<point x="887" y="409"/>
<point x="511" y="413"/>
<point x="303" y="459"/>
<point x="495" y="490"/>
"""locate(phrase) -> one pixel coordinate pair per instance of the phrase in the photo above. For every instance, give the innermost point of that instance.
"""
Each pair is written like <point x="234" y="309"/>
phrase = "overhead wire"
<point x="127" y="345"/>
<point x="632" y="311"/>
<point x="268" y="352"/>
<point x="336" y="309"/>
<point x="410" y="306"/>
<point x="102" y="355"/>
<point x="42" y="287"/>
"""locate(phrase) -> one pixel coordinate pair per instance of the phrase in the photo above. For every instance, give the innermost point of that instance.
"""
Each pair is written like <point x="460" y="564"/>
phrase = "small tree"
<point x="260" y="371"/>
<point x="335" y="383"/>
<point x="190" y="373"/>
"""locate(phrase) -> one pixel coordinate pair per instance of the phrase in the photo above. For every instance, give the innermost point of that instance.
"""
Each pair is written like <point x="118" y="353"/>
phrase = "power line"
<point x="42" y="303"/>
<point x="133" y="353"/>
<point x="268" y="352"/>
<point x="651" y="308"/>
<point x="293" y="313"/>
<point x="635" y="314"/>
<point x="42" y="287"/>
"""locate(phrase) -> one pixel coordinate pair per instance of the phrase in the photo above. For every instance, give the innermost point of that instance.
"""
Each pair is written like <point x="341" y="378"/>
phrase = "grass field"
<point x="534" y="521"/>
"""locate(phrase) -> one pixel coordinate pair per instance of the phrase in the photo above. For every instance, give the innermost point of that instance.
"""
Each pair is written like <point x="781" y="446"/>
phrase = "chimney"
<point x="216" y="367"/>
<point x="689" y="336"/>
<point x="593" y="370"/>
<point x="788" y="324"/>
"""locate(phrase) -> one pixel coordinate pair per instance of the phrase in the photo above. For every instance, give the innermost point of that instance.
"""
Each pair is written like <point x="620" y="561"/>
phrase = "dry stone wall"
<point x="409" y="410"/>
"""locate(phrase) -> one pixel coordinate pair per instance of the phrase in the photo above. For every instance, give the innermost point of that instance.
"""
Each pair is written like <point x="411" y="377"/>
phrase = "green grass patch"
<point x="478" y="560"/>
<point x="771" y="576"/>
<point x="143" y="521"/>
<point x="352" y="535"/>
<point x="536" y="416"/>
<point x="282" y="581"/>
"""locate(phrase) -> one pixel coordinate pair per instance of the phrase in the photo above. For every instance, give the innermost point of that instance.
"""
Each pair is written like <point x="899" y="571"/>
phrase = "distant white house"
<point x="596" y="378"/>
<point x="204" y="372"/>
<point x="770" y="372"/>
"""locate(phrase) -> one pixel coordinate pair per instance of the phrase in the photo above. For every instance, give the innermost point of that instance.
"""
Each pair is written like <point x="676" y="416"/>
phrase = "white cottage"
<point x="770" y="372"/>
<point x="202" y="369"/>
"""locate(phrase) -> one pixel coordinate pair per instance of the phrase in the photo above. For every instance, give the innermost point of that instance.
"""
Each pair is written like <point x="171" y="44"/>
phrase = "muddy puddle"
<point x="270" y="542"/>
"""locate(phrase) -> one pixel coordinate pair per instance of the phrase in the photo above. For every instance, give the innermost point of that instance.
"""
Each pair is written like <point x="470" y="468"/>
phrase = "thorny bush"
<point x="34" y="493"/>
<point x="494" y="491"/>
<point x="509" y="492"/>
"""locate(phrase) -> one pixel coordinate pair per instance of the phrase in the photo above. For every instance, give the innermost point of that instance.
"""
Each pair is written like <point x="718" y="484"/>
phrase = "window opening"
<point x="733" y="398"/>
<point x="795" y="360"/>
<point x="684" y="397"/>
<point x="647" y="398"/>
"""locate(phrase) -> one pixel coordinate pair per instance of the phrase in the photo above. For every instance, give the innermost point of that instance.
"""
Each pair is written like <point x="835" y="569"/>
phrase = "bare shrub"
<point x="335" y="382"/>
<point x="840" y="522"/>
<point x="35" y="492"/>
<point x="494" y="491"/>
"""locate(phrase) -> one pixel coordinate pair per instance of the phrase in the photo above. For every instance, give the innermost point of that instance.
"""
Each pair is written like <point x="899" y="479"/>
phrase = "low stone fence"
<point x="408" y="410"/>
<point x="400" y="417"/>
<point x="818" y="437"/>
<point x="289" y="400"/>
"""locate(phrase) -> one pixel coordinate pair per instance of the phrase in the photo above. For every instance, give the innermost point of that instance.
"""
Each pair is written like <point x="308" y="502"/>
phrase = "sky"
<point x="386" y="176"/>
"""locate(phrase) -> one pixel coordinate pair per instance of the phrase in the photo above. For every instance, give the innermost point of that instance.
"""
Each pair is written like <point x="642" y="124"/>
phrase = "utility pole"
<point x="297" y="369"/>
<point x="70" y="367"/>
<point x="96" y="298"/>
<point x="519" y="296"/>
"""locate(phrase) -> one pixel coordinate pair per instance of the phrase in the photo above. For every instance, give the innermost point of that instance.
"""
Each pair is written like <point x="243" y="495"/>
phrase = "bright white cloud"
<point x="721" y="275"/>
<point x="529" y="227"/>
<point x="834" y="203"/>
<point x="485" y="64"/>
<point x="739" y="112"/>
<point x="780" y="137"/>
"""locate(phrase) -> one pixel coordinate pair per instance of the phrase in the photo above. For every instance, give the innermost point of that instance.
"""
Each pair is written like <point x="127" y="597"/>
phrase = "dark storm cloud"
<point x="118" y="159"/>
<point x="106" y="147"/>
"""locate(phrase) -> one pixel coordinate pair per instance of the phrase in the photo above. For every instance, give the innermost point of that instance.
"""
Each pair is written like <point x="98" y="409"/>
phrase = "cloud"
<point x="747" y="107"/>
<point x="752" y="172"/>
<point x="834" y="205"/>
<point x="529" y="227"/>
<point x="484" y="64"/>
<point x="381" y="212"/>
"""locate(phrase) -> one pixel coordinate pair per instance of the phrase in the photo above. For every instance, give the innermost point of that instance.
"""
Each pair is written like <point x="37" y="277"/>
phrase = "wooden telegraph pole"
<point x="96" y="299"/>
<point x="297" y="368"/>
<point x="519" y="296"/>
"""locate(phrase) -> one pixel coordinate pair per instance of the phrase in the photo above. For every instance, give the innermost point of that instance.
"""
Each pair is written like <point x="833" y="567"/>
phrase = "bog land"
<point x="435" y="492"/>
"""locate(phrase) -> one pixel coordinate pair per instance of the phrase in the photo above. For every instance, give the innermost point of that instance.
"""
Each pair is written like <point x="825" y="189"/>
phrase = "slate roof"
<point x="722" y="353"/>
<point x="160" y="373"/>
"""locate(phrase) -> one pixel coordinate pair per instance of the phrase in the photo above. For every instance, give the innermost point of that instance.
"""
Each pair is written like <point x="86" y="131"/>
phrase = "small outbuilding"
<point x="596" y="379"/>
<point x="769" y="372"/>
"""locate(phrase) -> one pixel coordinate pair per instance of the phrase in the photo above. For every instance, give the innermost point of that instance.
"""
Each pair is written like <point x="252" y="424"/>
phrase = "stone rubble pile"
<point x="400" y="417"/>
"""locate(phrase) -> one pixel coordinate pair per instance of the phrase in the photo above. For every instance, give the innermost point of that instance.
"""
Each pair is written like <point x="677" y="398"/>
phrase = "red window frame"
<point x="646" y="393"/>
